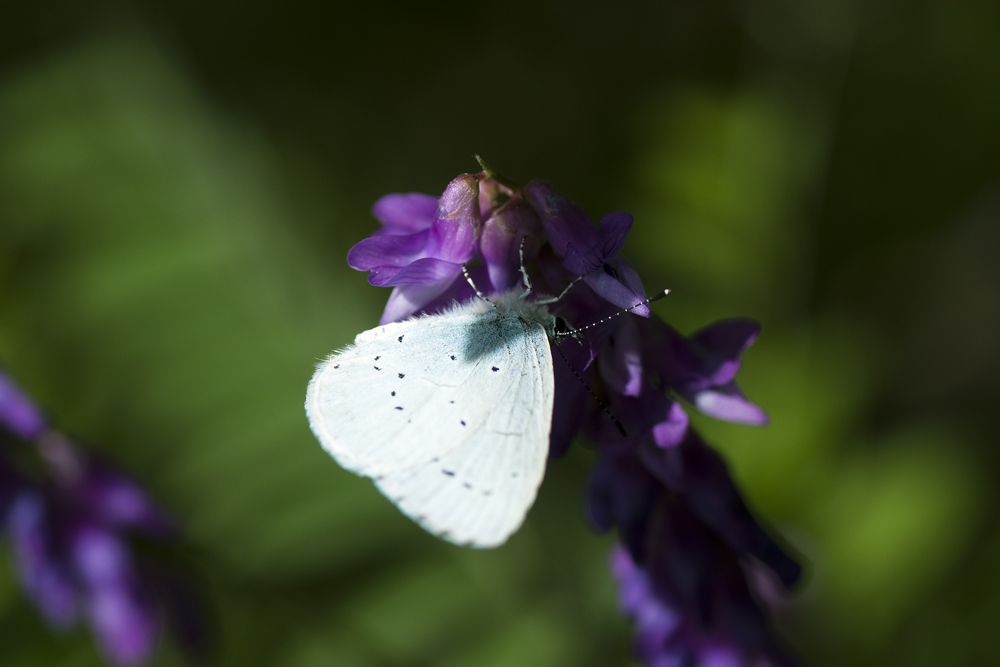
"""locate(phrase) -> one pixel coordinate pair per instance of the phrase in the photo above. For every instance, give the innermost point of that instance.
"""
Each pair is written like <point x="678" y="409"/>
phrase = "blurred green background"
<point x="180" y="182"/>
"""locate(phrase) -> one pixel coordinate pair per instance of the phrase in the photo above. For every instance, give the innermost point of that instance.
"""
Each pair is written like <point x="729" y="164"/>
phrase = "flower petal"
<point x="720" y="346"/>
<point x="671" y="431"/>
<point x="615" y="227"/>
<point x="626" y="492"/>
<point x="17" y="412"/>
<point x="43" y="574"/>
<point x="501" y="242"/>
<point x="564" y="222"/>
<point x="119" y="501"/>
<point x="122" y="618"/>
<point x="627" y="274"/>
<point x="420" y="272"/>
<point x="405" y="213"/>
<point x="620" y="362"/>
<point x="407" y="300"/>
<point x="728" y="403"/>
<point x="453" y="234"/>
<point x="613" y="291"/>
<point x="388" y="250"/>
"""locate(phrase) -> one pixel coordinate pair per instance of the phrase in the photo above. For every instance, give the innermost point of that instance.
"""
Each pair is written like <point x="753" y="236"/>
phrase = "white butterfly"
<point x="449" y="413"/>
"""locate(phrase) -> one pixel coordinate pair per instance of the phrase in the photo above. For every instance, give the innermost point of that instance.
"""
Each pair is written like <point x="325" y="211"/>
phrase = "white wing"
<point x="449" y="414"/>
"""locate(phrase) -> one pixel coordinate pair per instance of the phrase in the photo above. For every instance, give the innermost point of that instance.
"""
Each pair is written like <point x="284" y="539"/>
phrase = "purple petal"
<point x="623" y="493"/>
<point x="17" y="412"/>
<point x="405" y="213"/>
<point x="501" y="242"/>
<point x="589" y="253"/>
<point x="407" y="300"/>
<point x="122" y="618"/>
<point x="627" y="275"/>
<point x="564" y="223"/>
<point x="672" y="357"/>
<point x="45" y="578"/>
<point x="419" y="272"/>
<point x="453" y="234"/>
<point x="620" y="362"/>
<point x="671" y="431"/>
<point x="581" y="261"/>
<point x="613" y="291"/>
<point x="119" y="501"/>
<point x="728" y="403"/>
<point x="655" y="621"/>
<point x="99" y="556"/>
<point x="720" y="346"/>
<point x="389" y="250"/>
<point x="614" y="228"/>
<point x="125" y="624"/>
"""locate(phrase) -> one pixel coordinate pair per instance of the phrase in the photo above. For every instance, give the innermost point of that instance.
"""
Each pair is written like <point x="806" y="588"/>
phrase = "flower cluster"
<point x="70" y="519"/>
<point x="687" y="537"/>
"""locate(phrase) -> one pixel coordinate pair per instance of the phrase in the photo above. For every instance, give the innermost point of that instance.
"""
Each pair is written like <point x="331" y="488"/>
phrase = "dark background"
<point x="180" y="183"/>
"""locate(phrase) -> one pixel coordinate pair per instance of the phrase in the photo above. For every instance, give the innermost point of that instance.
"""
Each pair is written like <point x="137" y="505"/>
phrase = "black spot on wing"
<point x="466" y="485"/>
<point x="378" y="357"/>
<point x="377" y="368"/>
<point x="399" y="407"/>
<point x="400" y="339"/>
<point x="495" y="369"/>
<point x="401" y="376"/>
<point x="463" y="423"/>
<point x="393" y="393"/>
<point x="453" y="357"/>
<point x="336" y="367"/>
<point x="448" y="472"/>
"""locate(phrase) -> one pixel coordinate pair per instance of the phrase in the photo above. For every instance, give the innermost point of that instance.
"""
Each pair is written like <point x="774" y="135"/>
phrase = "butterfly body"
<point x="449" y="414"/>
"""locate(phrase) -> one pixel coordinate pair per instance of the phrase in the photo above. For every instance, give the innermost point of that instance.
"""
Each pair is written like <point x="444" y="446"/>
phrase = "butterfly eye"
<point x="561" y="326"/>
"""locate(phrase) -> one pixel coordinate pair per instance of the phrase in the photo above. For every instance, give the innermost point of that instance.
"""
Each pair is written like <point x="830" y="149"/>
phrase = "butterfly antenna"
<point x="573" y="332"/>
<point x="601" y="403"/>
<point x="465" y="272"/>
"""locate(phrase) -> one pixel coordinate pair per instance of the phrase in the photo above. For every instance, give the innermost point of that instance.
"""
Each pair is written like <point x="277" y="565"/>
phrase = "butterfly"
<point x="449" y="414"/>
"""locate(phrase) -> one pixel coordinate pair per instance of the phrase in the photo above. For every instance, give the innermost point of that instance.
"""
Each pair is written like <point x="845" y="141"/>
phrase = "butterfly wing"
<point x="449" y="414"/>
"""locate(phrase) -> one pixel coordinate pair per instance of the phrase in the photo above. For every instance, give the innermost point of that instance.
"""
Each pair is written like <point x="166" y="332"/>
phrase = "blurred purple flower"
<point x="70" y="535"/>
<point x="18" y="414"/>
<point x="687" y="534"/>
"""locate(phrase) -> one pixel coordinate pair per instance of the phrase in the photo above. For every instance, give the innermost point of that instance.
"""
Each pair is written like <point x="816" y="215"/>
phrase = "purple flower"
<point x="687" y="534"/>
<point x="417" y="253"/>
<point x="70" y="533"/>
